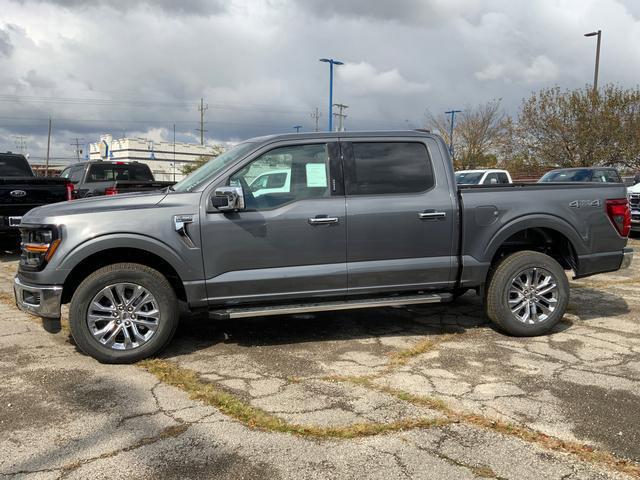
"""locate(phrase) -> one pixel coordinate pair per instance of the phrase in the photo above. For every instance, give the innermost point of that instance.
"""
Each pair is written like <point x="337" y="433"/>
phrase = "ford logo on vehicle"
<point x="17" y="193"/>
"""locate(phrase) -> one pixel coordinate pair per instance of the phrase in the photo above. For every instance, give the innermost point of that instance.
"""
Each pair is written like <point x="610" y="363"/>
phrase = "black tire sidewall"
<point x="118" y="273"/>
<point x="496" y="302"/>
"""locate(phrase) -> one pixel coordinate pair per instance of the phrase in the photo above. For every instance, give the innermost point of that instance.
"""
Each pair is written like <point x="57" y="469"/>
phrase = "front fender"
<point x="128" y="240"/>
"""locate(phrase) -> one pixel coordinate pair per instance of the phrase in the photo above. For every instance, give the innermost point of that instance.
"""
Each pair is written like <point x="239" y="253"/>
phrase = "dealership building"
<point x="166" y="159"/>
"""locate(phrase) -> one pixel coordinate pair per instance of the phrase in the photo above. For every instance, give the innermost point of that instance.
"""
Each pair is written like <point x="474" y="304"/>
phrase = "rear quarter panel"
<point x="490" y="215"/>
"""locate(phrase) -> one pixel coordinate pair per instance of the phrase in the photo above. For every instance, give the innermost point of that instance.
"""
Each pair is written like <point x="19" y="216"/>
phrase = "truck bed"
<point x="492" y="214"/>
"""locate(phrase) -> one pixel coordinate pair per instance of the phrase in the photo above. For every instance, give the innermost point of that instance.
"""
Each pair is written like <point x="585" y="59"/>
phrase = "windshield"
<point x="580" y="175"/>
<point x="210" y="169"/>
<point x="468" y="178"/>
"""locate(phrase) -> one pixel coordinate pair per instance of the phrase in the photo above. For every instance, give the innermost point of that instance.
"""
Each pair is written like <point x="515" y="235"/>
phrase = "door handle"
<point x="323" y="220"/>
<point x="429" y="215"/>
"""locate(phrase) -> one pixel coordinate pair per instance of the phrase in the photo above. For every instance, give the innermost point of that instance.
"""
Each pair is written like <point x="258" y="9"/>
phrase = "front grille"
<point x="634" y="200"/>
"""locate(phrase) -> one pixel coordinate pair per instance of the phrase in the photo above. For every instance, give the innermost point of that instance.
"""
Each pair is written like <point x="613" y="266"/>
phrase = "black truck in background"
<point x="95" y="178"/>
<point x="21" y="190"/>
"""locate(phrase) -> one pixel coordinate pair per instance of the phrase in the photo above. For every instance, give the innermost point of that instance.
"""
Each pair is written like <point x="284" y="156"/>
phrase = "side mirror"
<point x="228" y="199"/>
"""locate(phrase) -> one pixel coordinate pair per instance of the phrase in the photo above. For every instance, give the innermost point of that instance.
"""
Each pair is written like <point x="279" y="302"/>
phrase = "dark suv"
<point x="582" y="174"/>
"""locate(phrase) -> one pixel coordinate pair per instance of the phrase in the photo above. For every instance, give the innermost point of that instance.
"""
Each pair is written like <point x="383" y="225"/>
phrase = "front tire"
<point x="123" y="313"/>
<point x="527" y="294"/>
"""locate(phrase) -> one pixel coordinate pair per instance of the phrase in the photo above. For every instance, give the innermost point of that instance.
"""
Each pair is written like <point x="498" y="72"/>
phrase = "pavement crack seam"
<point x="233" y="406"/>
<point x="583" y="452"/>
<point x="169" y="432"/>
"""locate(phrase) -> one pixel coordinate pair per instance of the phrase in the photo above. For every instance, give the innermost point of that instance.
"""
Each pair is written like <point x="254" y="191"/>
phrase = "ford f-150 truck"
<point x="101" y="177"/>
<point x="20" y="191"/>
<point x="368" y="219"/>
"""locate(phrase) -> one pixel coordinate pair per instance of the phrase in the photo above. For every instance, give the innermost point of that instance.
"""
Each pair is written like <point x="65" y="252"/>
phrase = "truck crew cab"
<point x="368" y="219"/>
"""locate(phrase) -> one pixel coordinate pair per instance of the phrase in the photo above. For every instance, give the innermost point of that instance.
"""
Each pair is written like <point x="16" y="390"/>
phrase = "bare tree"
<point x="572" y="128"/>
<point x="478" y="134"/>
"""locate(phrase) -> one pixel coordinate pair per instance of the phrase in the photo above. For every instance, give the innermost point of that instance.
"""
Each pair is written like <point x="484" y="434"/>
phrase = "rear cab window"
<point x="14" y="166"/>
<point x="388" y="168"/>
<point x="110" y="172"/>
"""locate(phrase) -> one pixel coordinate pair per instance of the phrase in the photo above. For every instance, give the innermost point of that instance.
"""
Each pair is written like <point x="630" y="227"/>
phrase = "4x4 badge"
<point x="585" y="203"/>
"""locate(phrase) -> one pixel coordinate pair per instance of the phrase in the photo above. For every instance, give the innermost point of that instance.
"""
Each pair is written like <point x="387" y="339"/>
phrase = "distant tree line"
<point x="553" y="128"/>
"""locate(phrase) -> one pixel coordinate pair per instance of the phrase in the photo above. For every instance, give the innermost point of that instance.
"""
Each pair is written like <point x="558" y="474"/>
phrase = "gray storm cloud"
<point x="137" y="68"/>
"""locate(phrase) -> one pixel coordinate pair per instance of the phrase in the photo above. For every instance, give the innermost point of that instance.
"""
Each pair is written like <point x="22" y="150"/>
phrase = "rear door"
<point x="400" y="215"/>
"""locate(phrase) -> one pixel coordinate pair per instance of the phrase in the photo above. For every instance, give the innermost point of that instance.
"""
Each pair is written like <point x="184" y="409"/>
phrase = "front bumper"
<point x="41" y="300"/>
<point x="627" y="258"/>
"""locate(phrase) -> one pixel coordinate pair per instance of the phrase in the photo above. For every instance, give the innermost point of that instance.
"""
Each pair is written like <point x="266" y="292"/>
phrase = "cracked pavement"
<point x="63" y="415"/>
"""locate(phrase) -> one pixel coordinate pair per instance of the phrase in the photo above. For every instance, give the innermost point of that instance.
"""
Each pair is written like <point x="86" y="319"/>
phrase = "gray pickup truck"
<point x="366" y="220"/>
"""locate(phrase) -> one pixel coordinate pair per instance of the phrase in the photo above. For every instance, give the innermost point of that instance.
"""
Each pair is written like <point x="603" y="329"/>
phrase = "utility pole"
<point x="78" y="149"/>
<point x="341" y="116"/>
<point x="298" y="127"/>
<point x="595" y="73"/>
<point x="451" y="124"/>
<point x="46" y="165"/>
<point x="202" y="108"/>
<point x="174" y="152"/>
<point x="316" y="116"/>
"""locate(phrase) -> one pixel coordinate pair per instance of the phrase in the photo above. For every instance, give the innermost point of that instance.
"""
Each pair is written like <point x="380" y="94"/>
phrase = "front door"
<point x="400" y="216"/>
<point x="289" y="241"/>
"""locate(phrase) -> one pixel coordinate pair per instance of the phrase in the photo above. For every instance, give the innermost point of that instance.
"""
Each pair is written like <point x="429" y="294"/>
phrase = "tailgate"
<point x="129" y="186"/>
<point x="19" y="195"/>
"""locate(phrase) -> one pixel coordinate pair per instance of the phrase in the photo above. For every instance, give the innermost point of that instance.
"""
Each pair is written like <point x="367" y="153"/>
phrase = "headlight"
<point x="38" y="246"/>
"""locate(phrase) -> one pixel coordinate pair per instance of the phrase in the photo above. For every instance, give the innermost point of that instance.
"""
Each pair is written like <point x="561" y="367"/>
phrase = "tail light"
<point x="111" y="191"/>
<point x="71" y="191"/>
<point x="620" y="215"/>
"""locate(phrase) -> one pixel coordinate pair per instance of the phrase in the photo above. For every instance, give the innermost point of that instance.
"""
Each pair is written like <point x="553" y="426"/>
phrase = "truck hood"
<point x="109" y="203"/>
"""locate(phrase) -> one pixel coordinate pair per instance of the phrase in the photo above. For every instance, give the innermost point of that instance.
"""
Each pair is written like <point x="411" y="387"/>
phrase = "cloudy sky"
<point x="136" y="68"/>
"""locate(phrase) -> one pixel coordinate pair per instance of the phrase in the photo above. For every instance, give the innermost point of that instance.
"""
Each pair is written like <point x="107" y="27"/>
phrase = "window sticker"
<point x="316" y="175"/>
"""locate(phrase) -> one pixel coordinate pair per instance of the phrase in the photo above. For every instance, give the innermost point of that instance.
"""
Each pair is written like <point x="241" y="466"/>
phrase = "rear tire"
<point x="123" y="313"/>
<point x="527" y="294"/>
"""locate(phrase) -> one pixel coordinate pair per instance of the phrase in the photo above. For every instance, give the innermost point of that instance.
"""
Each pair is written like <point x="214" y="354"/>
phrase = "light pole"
<point x="595" y="74"/>
<point x="453" y="119"/>
<point x="331" y="63"/>
<point x="298" y="127"/>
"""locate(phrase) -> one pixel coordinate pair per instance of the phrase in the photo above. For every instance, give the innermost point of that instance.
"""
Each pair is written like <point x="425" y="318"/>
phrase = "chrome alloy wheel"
<point x="533" y="295"/>
<point x="123" y="316"/>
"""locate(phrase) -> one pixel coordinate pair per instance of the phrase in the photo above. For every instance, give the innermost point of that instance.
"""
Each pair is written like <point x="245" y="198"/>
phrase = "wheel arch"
<point x="543" y="233"/>
<point x="103" y="251"/>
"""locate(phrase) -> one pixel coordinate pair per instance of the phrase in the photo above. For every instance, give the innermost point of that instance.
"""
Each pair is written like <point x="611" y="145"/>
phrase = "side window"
<point x="382" y="168"/>
<point x="502" y="177"/>
<point x="492" y="179"/>
<point x="284" y="175"/>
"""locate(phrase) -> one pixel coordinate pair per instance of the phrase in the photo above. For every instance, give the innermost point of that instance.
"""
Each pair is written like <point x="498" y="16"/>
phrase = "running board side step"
<point x="240" y="312"/>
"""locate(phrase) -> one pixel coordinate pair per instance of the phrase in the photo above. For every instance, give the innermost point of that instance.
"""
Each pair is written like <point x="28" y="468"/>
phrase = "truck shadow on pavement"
<point x="198" y="332"/>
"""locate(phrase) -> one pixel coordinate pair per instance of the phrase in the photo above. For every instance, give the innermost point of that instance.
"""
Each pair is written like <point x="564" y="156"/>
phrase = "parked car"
<point x="369" y="219"/>
<point x="21" y="190"/>
<point x="591" y="174"/>
<point x="271" y="182"/>
<point x="633" y="194"/>
<point x="95" y="178"/>
<point x="483" y="177"/>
